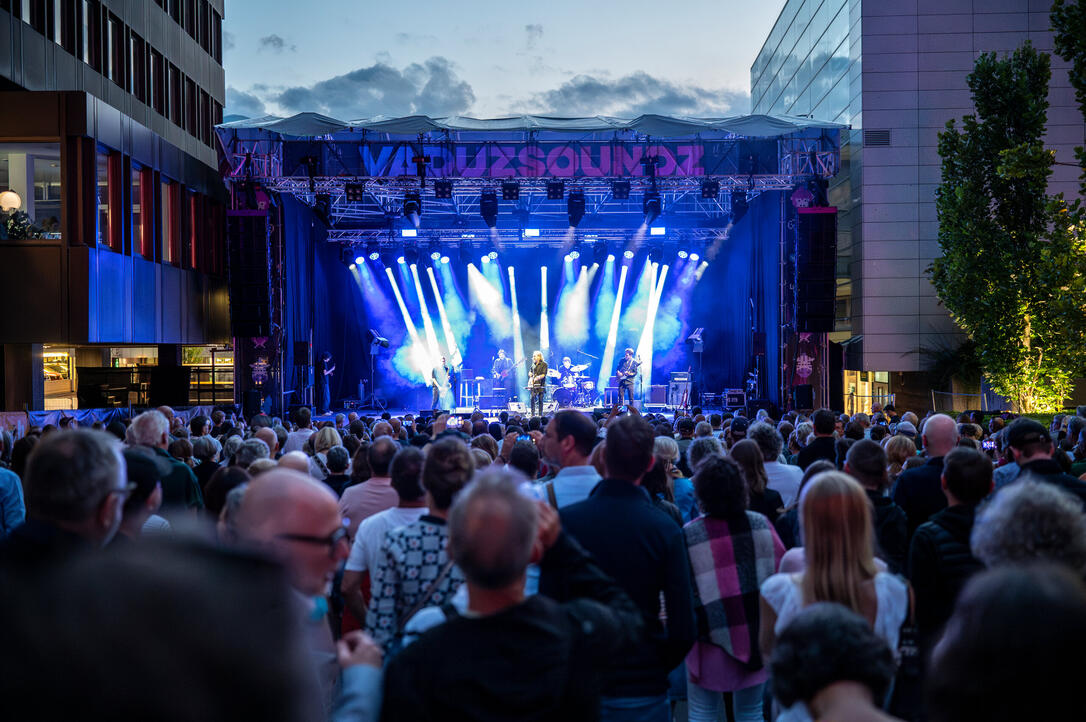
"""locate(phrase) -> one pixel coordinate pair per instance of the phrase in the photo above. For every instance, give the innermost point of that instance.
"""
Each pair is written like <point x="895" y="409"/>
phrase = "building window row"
<point x="89" y="32"/>
<point x="201" y="21"/>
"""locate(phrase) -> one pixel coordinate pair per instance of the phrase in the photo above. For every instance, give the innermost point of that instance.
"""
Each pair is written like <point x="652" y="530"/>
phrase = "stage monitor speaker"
<point x="249" y="254"/>
<point x="803" y="396"/>
<point x="815" y="269"/>
<point x="658" y="394"/>
<point x="169" y="386"/>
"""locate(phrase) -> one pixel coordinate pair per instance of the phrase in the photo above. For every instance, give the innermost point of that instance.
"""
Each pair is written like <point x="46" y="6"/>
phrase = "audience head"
<point x="940" y="435"/>
<point x="297" y="520"/>
<point x="866" y="463"/>
<point x="206" y="448"/>
<point x="1028" y="439"/>
<point x="325" y="439"/>
<point x="181" y="449"/>
<point x="666" y="447"/>
<point x="827" y="643"/>
<point x="447" y="469"/>
<point x="720" y="487"/>
<point x="524" y="457"/>
<point x="767" y="438"/>
<point x="493" y="530"/>
<point x="259" y="466"/>
<point x="703" y="429"/>
<point x="219" y="485"/>
<point x="302" y="417"/>
<point x="249" y="451"/>
<point x="748" y="455"/>
<point x="406" y="473"/>
<point x="685" y="426"/>
<point x="629" y="448"/>
<point x="824" y="422"/>
<point x="1013" y="630"/>
<point x="568" y="439"/>
<point x="1031" y="521"/>
<point x="338" y="460"/>
<point x="268" y="436"/>
<point x="295" y="461"/>
<point x="76" y="481"/>
<point x="144" y="472"/>
<point x="967" y="475"/>
<point x="150" y="428"/>
<point x="700" y="448"/>
<point x="837" y="539"/>
<point x="381" y="453"/>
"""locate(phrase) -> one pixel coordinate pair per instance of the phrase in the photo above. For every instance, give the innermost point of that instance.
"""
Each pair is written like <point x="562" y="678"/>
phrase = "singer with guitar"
<point x="537" y="383"/>
<point x="439" y="382"/>
<point x="627" y="370"/>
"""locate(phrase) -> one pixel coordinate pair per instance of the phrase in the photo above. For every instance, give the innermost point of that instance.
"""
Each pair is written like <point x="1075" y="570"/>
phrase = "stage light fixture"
<point x="683" y="254"/>
<point x="486" y="259"/>
<point x="651" y="206"/>
<point x="627" y="254"/>
<point x="444" y="259"/>
<point x="488" y="208"/>
<point x="575" y="206"/>
<point x="401" y="260"/>
<point x="443" y="189"/>
<point x="412" y="205"/>
<point x="620" y="190"/>
<point x="354" y="192"/>
<point x="657" y="231"/>
<point x="568" y="258"/>
<point x="510" y="191"/>
<point x="739" y="205"/>
<point x="710" y="189"/>
<point x="409" y="233"/>
<point x="359" y="260"/>
<point x="556" y="190"/>
<point x="531" y="233"/>
<point x="574" y="254"/>
<point x="435" y="255"/>
<point x="694" y="257"/>
<point x="374" y="255"/>
<point x="493" y="255"/>
<point x="322" y="208"/>
<point x="610" y="258"/>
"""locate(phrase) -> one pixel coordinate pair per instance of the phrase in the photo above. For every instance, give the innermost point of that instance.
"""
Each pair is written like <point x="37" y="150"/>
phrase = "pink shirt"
<point x="364" y="500"/>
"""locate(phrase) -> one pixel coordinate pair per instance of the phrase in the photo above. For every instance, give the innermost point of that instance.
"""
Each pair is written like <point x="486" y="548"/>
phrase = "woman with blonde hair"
<point x="899" y="449"/>
<point x="839" y="567"/>
<point x="748" y="455"/>
<point x="323" y="440"/>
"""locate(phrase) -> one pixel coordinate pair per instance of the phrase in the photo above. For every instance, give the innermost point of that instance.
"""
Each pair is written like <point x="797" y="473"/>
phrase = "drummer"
<point x="567" y="377"/>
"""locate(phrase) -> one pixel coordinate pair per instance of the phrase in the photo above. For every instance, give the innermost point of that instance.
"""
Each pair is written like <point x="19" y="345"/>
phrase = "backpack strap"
<point x="552" y="499"/>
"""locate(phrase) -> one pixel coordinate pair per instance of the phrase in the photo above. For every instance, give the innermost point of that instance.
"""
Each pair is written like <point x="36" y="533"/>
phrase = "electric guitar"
<point x="621" y="375"/>
<point x="502" y="375"/>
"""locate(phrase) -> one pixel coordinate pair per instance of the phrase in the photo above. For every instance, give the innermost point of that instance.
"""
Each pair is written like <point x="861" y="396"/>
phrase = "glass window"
<point x="102" y="198"/>
<point x="30" y="191"/>
<point x="168" y="236"/>
<point x="137" y="215"/>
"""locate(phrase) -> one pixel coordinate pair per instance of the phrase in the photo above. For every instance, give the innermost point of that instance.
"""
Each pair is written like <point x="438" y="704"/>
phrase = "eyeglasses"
<point x="331" y="541"/>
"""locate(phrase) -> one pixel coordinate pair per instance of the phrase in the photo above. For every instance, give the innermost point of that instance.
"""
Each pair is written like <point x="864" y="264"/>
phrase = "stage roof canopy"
<point x="309" y="125"/>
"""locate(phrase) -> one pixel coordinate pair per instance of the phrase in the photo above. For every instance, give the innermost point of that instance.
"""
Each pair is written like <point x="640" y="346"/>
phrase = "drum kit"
<point x="576" y="389"/>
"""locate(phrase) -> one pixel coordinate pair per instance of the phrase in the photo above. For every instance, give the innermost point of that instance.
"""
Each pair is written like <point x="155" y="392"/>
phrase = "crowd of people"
<point x="612" y="566"/>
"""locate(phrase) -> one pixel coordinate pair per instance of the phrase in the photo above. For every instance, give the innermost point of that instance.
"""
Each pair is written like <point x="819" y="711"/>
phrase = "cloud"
<point x="276" y="44"/>
<point x="239" y="102"/>
<point x="635" y="94"/>
<point x="534" y="32"/>
<point x="405" y="38"/>
<point x="430" y="88"/>
<point x="228" y="40"/>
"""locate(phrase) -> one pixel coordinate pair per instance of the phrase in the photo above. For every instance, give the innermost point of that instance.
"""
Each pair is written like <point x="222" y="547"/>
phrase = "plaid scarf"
<point x="730" y="560"/>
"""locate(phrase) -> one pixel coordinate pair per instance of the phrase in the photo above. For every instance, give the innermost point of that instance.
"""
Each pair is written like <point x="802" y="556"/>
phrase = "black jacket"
<point x="919" y="492"/>
<point x="1050" y="471"/>
<point x="940" y="563"/>
<point x="538" y="660"/>
<point x="769" y="504"/>
<point x="819" y="447"/>
<point x="645" y="552"/>
<point x="891" y="531"/>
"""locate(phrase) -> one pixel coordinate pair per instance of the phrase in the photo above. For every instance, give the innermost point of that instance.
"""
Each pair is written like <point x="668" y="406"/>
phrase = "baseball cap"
<point x="739" y="423"/>
<point x="906" y="428"/>
<point x="1026" y="431"/>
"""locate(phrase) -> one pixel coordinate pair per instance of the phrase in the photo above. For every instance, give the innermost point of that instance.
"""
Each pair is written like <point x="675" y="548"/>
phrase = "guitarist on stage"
<point x="537" y="384"/>
<point x="500" y="371"/>
<point x="439" y="382"/>
<point x="627" y="370"/>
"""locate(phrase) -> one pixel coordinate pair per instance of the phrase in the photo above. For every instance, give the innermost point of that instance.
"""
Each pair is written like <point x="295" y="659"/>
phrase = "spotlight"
<point x="359" y="260"/>
<point x="355" y="192"/>
<point x="575" y="206"/>
<point x="488" y="208"/>
<point x="651" y="206"/>
<point x="657" y="231"/>
<point x="531" y="233"/>
<point x="443" y="189"/>
<point x="627" y="254"/>
<point x="374" y="255"/>
<point x="373" y="251"/>
<point x="694" y="256"/>
<point x="435" y="255"/>
<point x="620" y="190"/>
<point x="710" y="189"/>
<point x="739" y="205"/>
<point x="510" y="191"/>
<point x="486" y="259"/>
<point x="574" y="254"/>
<point x="493" y="255"/>
<point x="401" y="260"/>
<point x="568" y="258"/>
<point x="322" y="208"/>
<point x="409" y="233"/>
<point x="611" y="257"/>
<point x="444" y="259"/>
<point x="556" y="190"/>
<point x="412" y="206"/>
<point x="683" y="254"/>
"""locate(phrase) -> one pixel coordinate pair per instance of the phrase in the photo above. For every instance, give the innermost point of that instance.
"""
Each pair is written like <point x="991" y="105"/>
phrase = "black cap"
<point x="145" y="469"/>
<point x="1026" y="431"/>
<point x="740" y="423"/>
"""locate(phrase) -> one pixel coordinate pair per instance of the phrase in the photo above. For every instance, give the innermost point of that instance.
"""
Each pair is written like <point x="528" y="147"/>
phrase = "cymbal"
<point x="578" y="368"/>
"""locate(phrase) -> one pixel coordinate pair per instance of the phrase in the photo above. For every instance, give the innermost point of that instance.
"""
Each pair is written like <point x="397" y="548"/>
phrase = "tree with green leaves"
<point x="1013" y="269"/>
<point x="1069" y="31"/>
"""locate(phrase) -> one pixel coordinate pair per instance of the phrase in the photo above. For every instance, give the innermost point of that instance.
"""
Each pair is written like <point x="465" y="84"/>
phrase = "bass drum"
<point x="563" y="397"/>
<point x="589" y="396"/>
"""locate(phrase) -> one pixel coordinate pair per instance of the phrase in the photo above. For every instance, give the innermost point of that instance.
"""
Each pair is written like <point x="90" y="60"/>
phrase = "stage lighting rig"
<point x="739" y="205"/>
<point x="556" y="190"/>
<point x="355" y="192"/>
<point x="412" y="206"/>
<point x="710" y="189"/>
<point x="510" y="191"/>
<point x="322" y="209"/>
<point x="651" y="206"/>
<point x="443" y="189"/>
<point x="411" y="256"/>
<point x="488" y="208"/>
<point x="620" y="190"/>
<point x="575" y="206"/>
<point x="373" y="251"/>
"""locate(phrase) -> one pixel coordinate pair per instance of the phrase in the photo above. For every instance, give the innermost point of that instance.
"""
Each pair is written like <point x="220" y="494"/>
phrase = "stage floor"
<point x="492" y="414"/>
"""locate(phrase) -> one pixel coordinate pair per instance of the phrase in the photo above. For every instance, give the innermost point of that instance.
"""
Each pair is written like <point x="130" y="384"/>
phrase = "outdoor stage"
<point x="393" y="244"/>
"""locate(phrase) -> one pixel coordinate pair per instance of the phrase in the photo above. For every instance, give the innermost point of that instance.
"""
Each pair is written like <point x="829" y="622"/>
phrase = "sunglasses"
<point x="331" y="541"/>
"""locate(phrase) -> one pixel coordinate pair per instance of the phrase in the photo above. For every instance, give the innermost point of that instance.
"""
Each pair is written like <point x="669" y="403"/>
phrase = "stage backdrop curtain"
<point x="321" y="294"/>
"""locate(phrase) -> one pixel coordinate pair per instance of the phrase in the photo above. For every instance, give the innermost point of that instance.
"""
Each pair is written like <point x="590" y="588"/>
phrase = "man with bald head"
<point x="294" y="519"/>
<point x="919" y="491"/>
<point x="296" y="461"/>
<point x="268" y="436"/>
<point x="531" y="657"/>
